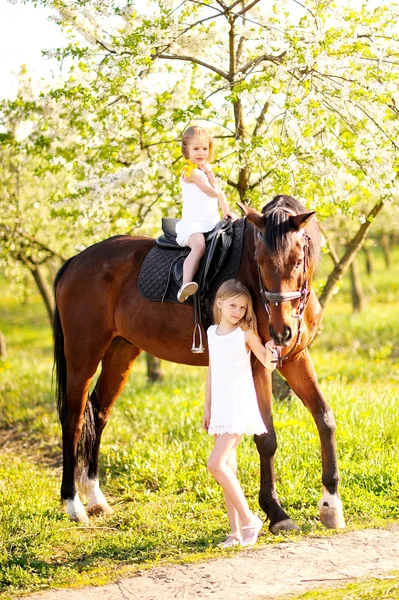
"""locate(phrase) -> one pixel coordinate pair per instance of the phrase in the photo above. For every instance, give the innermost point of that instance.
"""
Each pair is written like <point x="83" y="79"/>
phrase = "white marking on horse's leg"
<point x="75" y="509"/>
<point x="96" y="500"/>
<point x="331" y="513"/>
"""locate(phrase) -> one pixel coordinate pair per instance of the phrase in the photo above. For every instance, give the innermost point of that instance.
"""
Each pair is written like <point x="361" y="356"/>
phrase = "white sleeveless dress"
<point x="234" y="406"/>
<point x="200" y="212"/>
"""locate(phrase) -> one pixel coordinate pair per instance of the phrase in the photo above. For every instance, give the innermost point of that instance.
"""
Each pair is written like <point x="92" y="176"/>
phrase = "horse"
<point x="99" y="319"/>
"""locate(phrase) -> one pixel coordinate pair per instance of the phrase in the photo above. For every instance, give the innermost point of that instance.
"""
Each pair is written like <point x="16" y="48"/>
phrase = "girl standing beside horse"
<point x="201" y="199"/>
<point x="231" y="406"/>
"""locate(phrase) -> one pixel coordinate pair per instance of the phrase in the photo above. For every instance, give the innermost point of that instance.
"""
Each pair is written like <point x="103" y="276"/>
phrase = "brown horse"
<point x="101" y="317"/>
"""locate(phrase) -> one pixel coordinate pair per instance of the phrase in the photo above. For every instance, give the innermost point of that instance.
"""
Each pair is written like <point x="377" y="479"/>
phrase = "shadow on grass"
<point x="16" y="440"/>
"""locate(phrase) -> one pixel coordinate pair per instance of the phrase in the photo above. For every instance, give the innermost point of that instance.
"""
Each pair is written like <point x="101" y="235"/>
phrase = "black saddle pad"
<point x="156" y="281"/>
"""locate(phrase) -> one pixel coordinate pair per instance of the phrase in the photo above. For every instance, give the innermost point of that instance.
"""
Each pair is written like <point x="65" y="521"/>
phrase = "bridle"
<point x="277" y="298"/>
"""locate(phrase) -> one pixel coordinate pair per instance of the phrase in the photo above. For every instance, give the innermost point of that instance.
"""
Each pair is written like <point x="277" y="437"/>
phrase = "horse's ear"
<point x="297" y="222"/>
<point x="253" y="215"/>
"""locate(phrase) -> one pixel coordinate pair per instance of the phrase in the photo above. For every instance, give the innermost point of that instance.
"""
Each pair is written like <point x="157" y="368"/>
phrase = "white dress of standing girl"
<point x="234" y="403"/>
<point x="200" y="213"/>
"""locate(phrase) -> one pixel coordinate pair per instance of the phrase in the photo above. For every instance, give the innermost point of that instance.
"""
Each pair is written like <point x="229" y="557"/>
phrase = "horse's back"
<point x="89" y="287"/>
<point x="106" y="262"/>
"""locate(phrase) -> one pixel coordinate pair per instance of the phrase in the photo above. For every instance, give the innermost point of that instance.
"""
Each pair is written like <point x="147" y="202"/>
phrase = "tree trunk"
<point x="241" y="131"/>
<point x="3" y="347"/>
<point x="357" y="290"/>
<point x="352" y="249"/>
<point x="44" y="289"/>
<point x="369" y="261"/>
<point x="154" y="372"/>
<point x="386" y="249"/>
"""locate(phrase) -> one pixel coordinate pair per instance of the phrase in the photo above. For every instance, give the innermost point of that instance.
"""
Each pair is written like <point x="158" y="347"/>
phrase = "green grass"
<point x="384" y="588"/>
<point x="167" y="507"/>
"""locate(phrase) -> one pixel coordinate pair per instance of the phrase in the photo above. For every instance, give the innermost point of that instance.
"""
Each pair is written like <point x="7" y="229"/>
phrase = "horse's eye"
<point x="298" y="263"/>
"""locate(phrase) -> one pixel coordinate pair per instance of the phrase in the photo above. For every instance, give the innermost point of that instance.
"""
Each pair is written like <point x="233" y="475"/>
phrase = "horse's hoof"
<point x="75" y="510"/>
<point x="332" y="518"/>
<point x="100" y="509"/>
<point x="331" y="513"/>
<point x="80" y="518"/>
<point x="286" y="525"/>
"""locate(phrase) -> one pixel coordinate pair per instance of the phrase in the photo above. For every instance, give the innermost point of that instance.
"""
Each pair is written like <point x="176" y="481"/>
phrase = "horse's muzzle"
<point x="283" y="338"/>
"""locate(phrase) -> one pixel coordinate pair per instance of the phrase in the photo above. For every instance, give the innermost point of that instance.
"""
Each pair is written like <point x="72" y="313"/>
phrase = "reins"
<point x="278" y="297"/>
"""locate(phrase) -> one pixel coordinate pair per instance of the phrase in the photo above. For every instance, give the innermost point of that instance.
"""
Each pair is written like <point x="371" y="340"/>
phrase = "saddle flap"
<point x="161" y="272"/>
<point x="178" y="270"/>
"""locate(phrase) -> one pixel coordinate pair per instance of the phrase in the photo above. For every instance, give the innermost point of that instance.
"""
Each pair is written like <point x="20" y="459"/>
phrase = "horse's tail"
<point x="87" y="437"/>
<point x="59" y="367"/>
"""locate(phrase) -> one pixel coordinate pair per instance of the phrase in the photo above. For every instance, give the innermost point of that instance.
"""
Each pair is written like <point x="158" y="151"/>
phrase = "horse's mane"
<point x="276" y="235"/>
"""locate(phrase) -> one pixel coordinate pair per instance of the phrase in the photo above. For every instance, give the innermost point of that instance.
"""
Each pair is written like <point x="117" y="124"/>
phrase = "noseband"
<point x="277" y="298"/>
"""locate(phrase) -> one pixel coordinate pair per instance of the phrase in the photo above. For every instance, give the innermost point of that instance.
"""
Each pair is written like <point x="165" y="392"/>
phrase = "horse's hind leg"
<point x="302" y="378"/>
<point x="72" y="420"/>
<point x="116" y="366"/>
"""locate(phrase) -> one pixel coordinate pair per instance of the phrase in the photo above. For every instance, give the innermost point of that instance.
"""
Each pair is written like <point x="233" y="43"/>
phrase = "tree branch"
<point x="255" y="61"/>
<point x="232" y="183"/>
<point x="234" y="5"/>
<point x="239" y="48"/>
<point x="333" y="253"/>
<point x="223" y="5"/>
<point x="246" y="8"/>
<point x="261" y="118"/>
<point x="212" y="7"/>
<point x="196" y="61"/>
<point x="260" y="180"/>
<point x="353" y="247"/>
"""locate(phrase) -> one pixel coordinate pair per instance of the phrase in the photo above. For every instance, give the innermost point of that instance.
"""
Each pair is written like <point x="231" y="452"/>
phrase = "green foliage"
<point x="167" y="507"/>
<point x="301" y="101"/>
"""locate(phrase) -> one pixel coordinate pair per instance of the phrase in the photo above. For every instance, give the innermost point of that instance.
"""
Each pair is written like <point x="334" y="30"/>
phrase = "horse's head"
<point x="287" y="247"/>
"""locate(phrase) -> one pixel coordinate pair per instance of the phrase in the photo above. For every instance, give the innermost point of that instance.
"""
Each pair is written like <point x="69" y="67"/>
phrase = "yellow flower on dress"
<point x="189" y="167"/>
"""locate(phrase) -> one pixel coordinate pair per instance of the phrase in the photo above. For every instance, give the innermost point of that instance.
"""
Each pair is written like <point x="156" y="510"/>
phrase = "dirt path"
<point x="289" y="567"/>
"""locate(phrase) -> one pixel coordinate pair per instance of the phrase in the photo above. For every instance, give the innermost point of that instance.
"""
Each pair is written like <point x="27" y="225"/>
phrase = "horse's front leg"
<point x="267" y="445"/>
<point x="302" y="378"/>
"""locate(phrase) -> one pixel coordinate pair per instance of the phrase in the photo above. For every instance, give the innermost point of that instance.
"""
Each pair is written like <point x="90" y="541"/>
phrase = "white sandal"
<point x="256" y="525"/>
<point x="231" y="541"/>
<point x="186" y="290"/>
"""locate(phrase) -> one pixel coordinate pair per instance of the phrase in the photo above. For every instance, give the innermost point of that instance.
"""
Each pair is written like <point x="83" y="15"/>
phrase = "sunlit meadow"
<point x="154" y="453"/>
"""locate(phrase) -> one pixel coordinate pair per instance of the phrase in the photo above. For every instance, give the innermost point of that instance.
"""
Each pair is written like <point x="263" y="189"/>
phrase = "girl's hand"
<point x="230" y="215"/>
<point x="205" y="167"/>
<point x="206" y="421"/>
<point x="271" y="355"/>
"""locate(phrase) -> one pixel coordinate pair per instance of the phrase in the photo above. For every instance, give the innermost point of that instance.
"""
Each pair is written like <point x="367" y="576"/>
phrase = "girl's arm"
<point x="207" y="406"/>
<point x="199" y="178"/>
<point x="263" y="353"/>
<point x="224" y="207"/>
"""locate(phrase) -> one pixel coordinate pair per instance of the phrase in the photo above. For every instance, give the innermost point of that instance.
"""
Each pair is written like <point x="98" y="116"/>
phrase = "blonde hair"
<point x="191" y="134"/>
<point x="231" y="289"/>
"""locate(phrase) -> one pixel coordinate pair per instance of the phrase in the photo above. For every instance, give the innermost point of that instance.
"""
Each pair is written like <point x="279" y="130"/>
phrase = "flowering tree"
<point x="303" y="98"/>
<point x="29" y="237"/>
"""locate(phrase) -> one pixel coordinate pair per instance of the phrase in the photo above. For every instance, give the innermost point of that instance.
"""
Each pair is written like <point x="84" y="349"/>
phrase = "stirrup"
<point x="200" y="348"/>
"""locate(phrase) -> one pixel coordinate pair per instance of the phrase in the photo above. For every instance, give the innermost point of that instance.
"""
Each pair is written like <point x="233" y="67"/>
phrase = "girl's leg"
<point x="217" y="465"/>
<point x="197" y="244"/>
<point x="232" y="513"/>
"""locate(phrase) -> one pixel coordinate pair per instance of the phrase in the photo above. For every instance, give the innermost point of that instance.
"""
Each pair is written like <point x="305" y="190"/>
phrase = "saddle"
<point x="161" y="273"/>
<point x="217" y="244"/>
